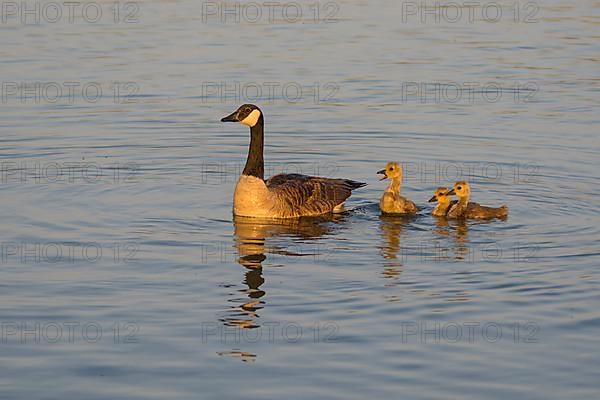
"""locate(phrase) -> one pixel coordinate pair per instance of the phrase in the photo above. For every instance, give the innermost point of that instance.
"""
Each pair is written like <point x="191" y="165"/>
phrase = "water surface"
<point x="116" y="214"/>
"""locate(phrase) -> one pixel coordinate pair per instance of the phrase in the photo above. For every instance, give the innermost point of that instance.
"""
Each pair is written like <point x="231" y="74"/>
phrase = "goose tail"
<point x="354" y="184"/>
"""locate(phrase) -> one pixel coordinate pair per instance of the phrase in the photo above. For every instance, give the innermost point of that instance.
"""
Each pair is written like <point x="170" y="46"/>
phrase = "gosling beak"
<point x="231" y="117"/>
<point x="433" y="199"/>
<point x="383" y="173"/>
<point x="451" y="193"/>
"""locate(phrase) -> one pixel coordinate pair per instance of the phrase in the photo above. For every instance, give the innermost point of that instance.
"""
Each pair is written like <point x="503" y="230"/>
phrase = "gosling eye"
<point x="391" y="168"/>
<point x="459" y="188"/>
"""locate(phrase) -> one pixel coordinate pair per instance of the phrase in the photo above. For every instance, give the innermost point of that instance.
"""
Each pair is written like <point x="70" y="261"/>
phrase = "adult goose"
<point x="284" y="195"/>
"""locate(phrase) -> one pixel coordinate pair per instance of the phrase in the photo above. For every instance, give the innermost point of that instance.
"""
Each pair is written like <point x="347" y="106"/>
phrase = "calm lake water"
<point x="124" y="275"/>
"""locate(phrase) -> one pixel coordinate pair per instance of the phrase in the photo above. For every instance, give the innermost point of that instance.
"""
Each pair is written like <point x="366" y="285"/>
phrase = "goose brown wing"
<point x="298" y="195"/>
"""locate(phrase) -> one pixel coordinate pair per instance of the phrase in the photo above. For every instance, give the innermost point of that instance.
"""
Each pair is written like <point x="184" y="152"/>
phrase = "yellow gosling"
<point x="444" y="202"/>
<point x="392" y="202"/>
<point x="468" y="209"/>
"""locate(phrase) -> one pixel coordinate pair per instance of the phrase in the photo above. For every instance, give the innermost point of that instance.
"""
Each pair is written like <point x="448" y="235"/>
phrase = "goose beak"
<point x="231" y="117"/>
<point x="450" y="193"/>
<point x="383" y="173"/>
<point x="433" y="199"/>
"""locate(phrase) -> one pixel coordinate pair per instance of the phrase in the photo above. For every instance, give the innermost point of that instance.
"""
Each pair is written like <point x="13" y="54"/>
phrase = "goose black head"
<point x="247" y="114"/>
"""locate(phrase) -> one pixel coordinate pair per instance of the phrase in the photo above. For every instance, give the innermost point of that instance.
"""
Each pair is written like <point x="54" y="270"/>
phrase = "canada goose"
<point x="392" y="202"/>
<point x="467" y="209"/>
<point x="444" y="202"/>
<point x="283" y="195"/>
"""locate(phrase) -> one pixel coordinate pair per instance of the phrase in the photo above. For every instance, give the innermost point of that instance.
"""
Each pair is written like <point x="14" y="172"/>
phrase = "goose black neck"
<point x="255" y="165"/>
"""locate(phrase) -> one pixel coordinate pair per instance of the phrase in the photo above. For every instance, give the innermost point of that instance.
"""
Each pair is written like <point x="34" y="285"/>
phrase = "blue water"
<point x="124" y="275"/>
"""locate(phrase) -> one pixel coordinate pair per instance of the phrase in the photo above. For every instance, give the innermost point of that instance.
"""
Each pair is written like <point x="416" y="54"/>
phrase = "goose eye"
<point x="391" y="168"/>
<point x="459" y="188"/>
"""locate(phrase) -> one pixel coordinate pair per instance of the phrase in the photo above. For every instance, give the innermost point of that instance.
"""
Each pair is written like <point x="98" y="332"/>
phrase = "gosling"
<point x="466" y="209"/>
<point x="444" y="202"/>
<point x="392" y="202"/>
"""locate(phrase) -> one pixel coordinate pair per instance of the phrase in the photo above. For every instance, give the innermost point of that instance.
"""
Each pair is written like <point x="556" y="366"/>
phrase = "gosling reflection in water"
<point x="458" y="231"/>
<point x="391" y="249"/>
<point x="251" y="236"/>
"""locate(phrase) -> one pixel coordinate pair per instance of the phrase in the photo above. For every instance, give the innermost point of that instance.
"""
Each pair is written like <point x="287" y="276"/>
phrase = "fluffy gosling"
<point x="392" y="202"/>
<point x="444" y="202"/>
<point x="467" y="209"/>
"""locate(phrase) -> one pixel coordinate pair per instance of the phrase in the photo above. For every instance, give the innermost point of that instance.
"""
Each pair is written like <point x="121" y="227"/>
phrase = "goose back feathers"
<point x="290" y="195"/>
<point x="297" y="194"/>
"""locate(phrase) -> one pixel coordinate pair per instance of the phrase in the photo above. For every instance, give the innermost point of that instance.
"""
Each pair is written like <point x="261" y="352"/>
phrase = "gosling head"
<point x="392" y="170"/>
<point x="247" y="114"/>
<point x="441" y="196"/>
<point x="461" y="189"/>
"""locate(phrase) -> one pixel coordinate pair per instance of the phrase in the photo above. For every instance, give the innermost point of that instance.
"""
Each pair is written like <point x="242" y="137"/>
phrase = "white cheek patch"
<point x="251" y="119"/>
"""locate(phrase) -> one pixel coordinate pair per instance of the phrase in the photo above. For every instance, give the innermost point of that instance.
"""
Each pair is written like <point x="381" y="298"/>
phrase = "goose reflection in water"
<point x="252" y="245"/>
